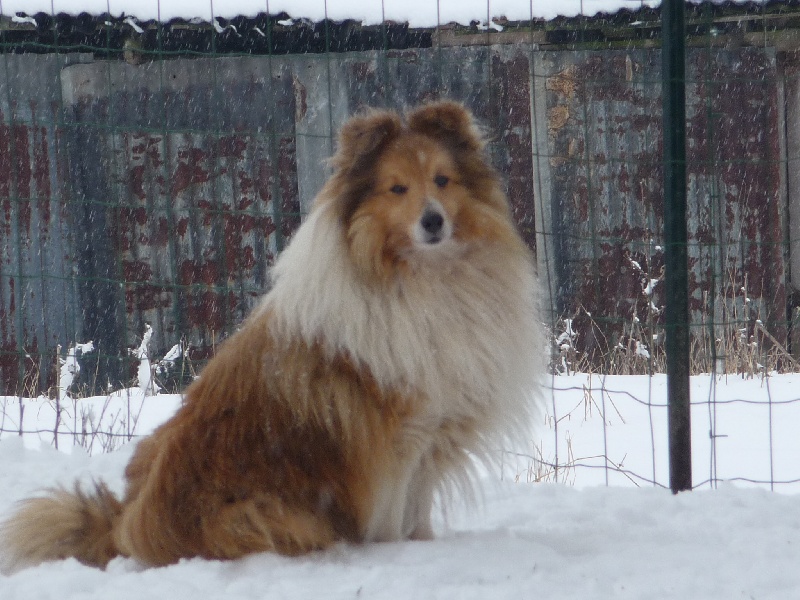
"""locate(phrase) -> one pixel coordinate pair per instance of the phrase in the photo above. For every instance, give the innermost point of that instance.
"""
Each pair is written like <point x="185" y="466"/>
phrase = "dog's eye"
<point x="398" y="189"/>
<point x="441" y="180"/>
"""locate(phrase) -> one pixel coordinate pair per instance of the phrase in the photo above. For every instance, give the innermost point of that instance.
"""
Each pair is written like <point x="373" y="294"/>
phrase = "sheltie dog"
<point x="398" y="343"/>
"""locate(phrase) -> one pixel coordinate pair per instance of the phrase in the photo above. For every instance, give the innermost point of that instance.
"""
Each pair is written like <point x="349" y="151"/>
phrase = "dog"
<point x="399" y="344"/>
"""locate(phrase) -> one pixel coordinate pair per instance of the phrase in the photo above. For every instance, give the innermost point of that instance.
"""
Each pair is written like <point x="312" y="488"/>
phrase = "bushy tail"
<point x="60" y="525"/>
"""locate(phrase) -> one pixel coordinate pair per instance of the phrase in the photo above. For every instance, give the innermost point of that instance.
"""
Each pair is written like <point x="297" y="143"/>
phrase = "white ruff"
<point x="463" y="330"/>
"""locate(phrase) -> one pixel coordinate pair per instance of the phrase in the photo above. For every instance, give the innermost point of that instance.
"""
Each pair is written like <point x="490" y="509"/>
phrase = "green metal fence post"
<point x="673" y="52"/>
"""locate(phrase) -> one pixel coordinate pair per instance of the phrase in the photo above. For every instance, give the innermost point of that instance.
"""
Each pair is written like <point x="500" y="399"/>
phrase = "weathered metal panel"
<point x="189" y="181"/>
<point x="738" y="218"/>
<point x="604" y="196"/>
<point x="38" y="307"/>
<point x="187" y="186"/>
<point x="602" y="124"/>
<point x="159" y="193"/>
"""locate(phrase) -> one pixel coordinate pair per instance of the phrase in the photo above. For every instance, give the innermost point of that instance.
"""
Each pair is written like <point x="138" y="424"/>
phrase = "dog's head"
<point x="414" y="191"/>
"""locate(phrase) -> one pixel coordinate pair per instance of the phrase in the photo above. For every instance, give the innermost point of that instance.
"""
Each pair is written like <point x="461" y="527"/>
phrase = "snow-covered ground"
<point x="743" y="430"/>
<point x="573" y="539"/>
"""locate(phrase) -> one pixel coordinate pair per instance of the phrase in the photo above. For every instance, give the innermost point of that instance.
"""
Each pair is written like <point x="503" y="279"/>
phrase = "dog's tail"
<point x="60" y="525"/>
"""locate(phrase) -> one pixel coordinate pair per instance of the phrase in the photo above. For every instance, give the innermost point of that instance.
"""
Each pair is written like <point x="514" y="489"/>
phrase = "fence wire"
<point x="150" y="171"/>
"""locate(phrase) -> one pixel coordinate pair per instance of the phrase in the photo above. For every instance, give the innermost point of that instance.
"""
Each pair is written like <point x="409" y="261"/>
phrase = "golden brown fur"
<point x="399" y="340"/>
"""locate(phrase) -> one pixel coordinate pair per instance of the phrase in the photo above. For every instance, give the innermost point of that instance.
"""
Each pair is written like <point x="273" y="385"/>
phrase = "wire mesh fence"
<point x="151" y="170"/>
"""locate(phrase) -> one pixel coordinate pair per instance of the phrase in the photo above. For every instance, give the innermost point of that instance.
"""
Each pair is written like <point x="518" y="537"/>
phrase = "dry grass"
<point x="101" y="424"/>
<point x="732" y="340"/>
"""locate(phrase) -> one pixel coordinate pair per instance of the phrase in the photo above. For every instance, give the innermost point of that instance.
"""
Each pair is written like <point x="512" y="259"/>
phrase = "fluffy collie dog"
<point x="400" y="340"/>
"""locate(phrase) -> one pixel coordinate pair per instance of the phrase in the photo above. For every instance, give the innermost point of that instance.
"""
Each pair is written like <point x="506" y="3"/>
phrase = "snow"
<point x="418" y="13"/>
<point x="743" y="430"/>
<point x="70" y="368"/>
<point x="144" y="373"/>
<point x="563" y="536"/>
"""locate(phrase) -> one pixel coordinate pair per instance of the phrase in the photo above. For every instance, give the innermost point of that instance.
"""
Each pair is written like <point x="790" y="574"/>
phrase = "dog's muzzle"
<point x="433" y="226"/>
<point x="432" y="223"/>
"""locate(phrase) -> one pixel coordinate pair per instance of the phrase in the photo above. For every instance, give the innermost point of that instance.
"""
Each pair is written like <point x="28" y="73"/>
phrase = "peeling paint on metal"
<point x="166" y="189"/>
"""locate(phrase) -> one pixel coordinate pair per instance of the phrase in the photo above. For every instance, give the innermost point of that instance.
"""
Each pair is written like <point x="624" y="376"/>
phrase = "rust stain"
<point x="290" y="200"/>
<point x="22" y="166"/>
<point x="189" y="170"/>
<point x="136" y="181"/>
<point x="300" y="99"/>
<point x="5" y="202"/>
<point x="145" y="297"/>
<point x="161" y="233"/>
<point x="241" y="257"/>
<point x="9" y="368"/>
<point x="41" y="176"/>
<point x="513" y="126"/>
<point x="193" y="272"/>
<point x="7" y="314"/>
<point x="17" y="173"/>
<point x="5" y="161"/>
<point x="246" y="187"/>
<point x="563" y="83"/>
<point x="210" y="310"/>
<point x="363" y="70"/>
<point x="182" y="226"/>
<point x="557" y="118"/>
<point x="232" y="146"/>
<point x="563" y="86"/>
<point x="136" y="271"/>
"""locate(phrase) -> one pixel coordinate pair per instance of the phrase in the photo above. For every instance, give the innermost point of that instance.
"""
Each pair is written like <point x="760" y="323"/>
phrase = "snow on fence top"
<point x="417" y="13"/>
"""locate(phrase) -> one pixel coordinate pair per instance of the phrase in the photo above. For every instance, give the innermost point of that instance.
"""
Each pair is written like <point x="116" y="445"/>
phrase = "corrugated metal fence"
<point x="158" y="192"/>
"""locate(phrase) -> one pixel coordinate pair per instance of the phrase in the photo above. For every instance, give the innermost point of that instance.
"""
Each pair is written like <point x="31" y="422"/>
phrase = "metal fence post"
<point x="673" y="53"/>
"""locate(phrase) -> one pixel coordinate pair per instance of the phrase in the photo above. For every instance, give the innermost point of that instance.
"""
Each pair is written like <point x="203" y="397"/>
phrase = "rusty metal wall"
<point x="38" y="308"/>
<point x="183" y="178"/>
<point x="160" y="192"/>
<point x="600" y="176"/>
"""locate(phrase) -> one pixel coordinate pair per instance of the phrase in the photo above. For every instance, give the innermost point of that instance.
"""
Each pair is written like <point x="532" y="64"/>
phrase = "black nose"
<point x="432" y="222"/>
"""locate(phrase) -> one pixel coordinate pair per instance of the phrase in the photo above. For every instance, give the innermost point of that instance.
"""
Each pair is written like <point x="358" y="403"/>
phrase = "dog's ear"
<point x="449" y="121"/>
<point x="362" y="138"/>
